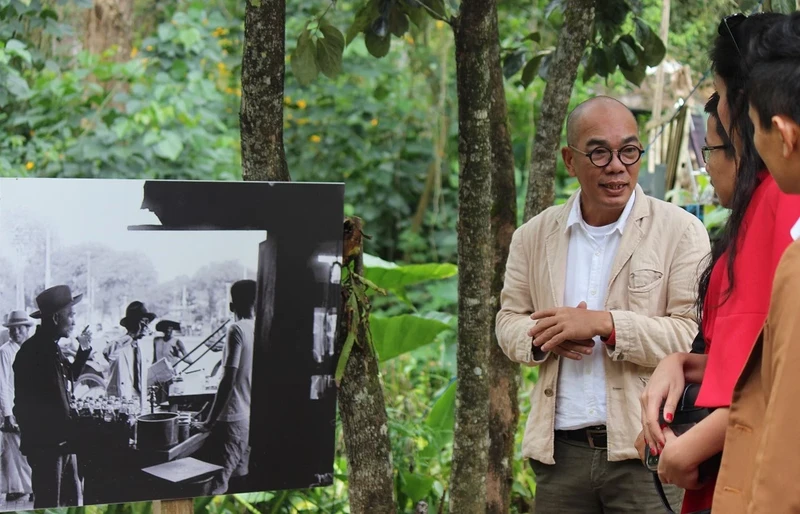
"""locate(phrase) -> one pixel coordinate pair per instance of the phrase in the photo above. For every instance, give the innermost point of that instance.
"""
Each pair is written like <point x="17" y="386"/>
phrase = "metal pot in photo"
<point x="157" y="431"/>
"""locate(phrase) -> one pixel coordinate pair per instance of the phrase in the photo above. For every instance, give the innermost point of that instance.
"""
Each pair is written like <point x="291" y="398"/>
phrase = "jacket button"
<point x="548" y="392"/>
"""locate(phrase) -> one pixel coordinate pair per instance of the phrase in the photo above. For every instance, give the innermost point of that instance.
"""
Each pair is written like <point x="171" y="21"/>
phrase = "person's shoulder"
<point x="545" y="220"/>
<point x="790" y="261"/>
<point x="786" y="284"/>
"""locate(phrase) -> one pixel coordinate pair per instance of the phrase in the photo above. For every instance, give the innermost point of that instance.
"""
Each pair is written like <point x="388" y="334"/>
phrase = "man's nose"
<point x="616" y="165"/>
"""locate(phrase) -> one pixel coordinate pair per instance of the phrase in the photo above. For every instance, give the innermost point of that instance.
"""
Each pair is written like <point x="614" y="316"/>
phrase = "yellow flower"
<point x="302" y="121"/>
<point x="238" y="91"/>
<point x="409" y="39"/>
<point x="29" y="165"/>
<point x="289" y="117"/>
<point x="374" y="122"/>
<point x="439" y="24"/>
<point x="134" y="51"/>
<point x="301" y="104"/>
<point x="287" y="100"/>
<point x="149" y="48"/>
<point x="221" y="66"/>
<point x="229" y="90"/>
<point x="315" y="138"/>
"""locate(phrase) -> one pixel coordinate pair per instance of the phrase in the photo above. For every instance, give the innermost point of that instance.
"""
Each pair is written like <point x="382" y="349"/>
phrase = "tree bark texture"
<point x="109" y="23"/>
<point x="563" y="71"/>
<point x="361" y="405"/>
<point x="263" y="71"/>
<point x="474" y="38"/>
<point x="504" y="375"/>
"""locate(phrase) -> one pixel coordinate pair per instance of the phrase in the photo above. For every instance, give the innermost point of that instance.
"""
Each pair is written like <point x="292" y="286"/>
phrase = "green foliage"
<point x="781" y="6"/>
<point x="621" y="39"/>
<point x="401" y="334"/>
<point x="395" y="278"/>
<point x="164" y="113"/>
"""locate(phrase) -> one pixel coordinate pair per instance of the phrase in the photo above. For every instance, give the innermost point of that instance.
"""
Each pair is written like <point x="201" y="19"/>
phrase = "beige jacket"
<point x="760" y="464"/>
<point x="651" y="297"/>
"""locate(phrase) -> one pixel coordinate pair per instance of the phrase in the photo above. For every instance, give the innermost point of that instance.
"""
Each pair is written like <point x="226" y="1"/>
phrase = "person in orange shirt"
<point x="732" y="297"/>
<point x="760" y="464"/>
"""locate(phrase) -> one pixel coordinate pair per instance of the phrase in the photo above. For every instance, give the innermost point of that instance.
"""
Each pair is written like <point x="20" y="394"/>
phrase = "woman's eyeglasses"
<point x="708" y="149"/>
<point x="728" y="24"/>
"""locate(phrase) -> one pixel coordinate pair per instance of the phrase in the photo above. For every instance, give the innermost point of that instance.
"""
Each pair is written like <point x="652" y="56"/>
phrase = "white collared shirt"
<point x="581" y="392"/>
<point x="796" y="231"/>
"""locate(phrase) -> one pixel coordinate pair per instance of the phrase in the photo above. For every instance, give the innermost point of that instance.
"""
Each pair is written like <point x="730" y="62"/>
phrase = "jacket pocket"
<point x="644" y="280"/>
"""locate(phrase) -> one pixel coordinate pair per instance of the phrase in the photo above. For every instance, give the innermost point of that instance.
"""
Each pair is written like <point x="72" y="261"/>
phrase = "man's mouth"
<point x="614" y="186"/>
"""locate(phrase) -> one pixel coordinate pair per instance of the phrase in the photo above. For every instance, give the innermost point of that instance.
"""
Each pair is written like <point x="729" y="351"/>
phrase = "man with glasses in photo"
<point x="597" y="291"/>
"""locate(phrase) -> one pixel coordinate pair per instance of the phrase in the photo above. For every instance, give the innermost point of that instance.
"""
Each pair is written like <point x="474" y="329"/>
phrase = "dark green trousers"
<point x="583" y="481"/>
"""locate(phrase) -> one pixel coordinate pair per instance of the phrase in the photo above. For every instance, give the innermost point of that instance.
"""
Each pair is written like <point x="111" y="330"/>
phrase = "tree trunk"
<point x="109" y="23"/>
<point x="503" y="373"/>
<point x="361" y="404"/>
<point x="263" y="70"/>
<point x="475" y="36"/>
<point x="563" y="71"/>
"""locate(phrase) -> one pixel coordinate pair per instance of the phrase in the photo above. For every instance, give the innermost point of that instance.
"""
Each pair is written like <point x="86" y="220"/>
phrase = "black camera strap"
<point x="661" y="494"/>
<point x="663" y="497"/>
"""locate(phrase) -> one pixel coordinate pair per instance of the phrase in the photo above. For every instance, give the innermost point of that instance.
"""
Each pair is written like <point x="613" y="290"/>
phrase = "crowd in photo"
<point x="67" y="395"/>
<point x="667" y="361"/>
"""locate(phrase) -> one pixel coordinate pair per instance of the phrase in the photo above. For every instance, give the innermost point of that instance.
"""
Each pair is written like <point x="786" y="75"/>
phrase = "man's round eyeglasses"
<point x="602" y="156"/>
<point x="708" y="149"/>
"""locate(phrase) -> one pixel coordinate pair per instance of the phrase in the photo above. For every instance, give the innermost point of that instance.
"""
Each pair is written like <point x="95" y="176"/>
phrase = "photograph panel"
<point x="165" y="339"/>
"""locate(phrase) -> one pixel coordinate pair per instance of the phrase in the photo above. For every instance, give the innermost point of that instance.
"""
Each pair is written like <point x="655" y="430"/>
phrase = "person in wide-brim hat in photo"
<point x="126" y="379"/>
<point x="14" y="466"/>
<point x="41" y="408"/>
<point x="55" y="299"/>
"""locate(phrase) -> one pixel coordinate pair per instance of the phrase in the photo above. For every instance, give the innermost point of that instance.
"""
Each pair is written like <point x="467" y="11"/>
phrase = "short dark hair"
<point x="774" y="83"/>
<point x="243" y="295"/>
<point x="711" y="109"/>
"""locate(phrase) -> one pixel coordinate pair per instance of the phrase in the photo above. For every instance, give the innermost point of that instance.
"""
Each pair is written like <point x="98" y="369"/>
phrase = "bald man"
<point x="597" y="291"/>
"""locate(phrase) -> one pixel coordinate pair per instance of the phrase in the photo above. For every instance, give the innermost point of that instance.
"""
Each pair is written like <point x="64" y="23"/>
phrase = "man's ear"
<point x="566" y="154"/>
<point x="789" y="132"/>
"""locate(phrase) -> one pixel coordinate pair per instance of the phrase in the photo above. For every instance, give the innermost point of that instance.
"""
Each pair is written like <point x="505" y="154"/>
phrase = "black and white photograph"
<point x="165" y="339"/>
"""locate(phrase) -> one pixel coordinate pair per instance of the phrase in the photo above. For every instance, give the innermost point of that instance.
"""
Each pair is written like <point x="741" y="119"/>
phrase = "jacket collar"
<point x="557" y="242"/>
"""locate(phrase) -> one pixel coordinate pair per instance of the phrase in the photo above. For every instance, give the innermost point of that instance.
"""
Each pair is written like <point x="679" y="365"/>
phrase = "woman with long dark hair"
<point x="734" y="288"/>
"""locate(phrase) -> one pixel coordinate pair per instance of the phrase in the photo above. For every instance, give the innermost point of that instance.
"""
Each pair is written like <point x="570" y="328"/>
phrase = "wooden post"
<point x="173" y="507"/>
<point x="658" y="97"/>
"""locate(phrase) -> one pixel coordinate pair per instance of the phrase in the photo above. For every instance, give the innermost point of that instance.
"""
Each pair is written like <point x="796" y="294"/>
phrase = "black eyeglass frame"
<point x="706" y="151"/>
<point x="611" y="153"/>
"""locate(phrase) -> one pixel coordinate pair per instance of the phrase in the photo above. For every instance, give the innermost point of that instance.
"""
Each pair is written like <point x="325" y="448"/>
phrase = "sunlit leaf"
<point x="397" y="335"/>
<point x="395" y="278"/>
